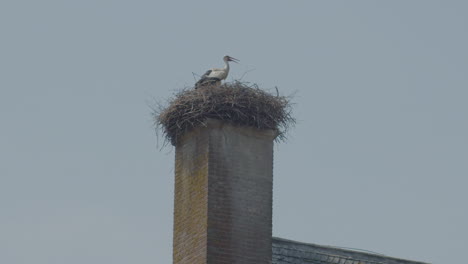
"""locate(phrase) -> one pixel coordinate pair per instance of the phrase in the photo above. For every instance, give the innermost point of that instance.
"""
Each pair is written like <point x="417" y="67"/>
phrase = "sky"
<point x="378" y="159"/>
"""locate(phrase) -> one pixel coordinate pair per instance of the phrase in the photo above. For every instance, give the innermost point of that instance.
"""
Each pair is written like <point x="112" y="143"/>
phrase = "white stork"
<point x="215" y="75"/>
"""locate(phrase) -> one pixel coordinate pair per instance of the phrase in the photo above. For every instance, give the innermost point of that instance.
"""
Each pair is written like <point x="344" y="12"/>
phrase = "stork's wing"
<point x="207" y="73"/>
<point x="207" y="80"/>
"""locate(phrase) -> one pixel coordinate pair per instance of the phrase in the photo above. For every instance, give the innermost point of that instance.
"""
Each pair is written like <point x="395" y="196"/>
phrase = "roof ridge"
<point x="322" y="248"/>
<point x="328" y="255"/>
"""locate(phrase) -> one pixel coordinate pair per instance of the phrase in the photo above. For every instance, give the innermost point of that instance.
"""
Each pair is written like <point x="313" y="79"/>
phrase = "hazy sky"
<point x="377" y="161"/>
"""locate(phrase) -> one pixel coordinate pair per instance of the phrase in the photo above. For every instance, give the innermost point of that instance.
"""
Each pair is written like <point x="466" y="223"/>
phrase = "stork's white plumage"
<point x="215" y="75"/>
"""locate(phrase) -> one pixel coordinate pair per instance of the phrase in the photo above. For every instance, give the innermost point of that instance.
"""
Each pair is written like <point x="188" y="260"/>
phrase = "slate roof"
<point x="293" y="252"/>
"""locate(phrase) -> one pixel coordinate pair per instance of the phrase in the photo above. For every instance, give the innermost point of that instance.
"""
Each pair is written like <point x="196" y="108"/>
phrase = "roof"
<point x="293" y="252"/>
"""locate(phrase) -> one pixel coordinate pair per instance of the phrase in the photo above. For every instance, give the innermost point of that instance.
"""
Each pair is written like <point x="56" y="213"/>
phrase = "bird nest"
<point x="238" y="103"/>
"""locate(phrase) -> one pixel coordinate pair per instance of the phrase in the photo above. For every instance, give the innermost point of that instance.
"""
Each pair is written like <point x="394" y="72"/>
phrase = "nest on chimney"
<point x="238" y="103"/>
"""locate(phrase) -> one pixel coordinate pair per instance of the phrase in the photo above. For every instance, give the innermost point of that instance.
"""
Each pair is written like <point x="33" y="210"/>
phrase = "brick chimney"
<point x="223" y="195"/>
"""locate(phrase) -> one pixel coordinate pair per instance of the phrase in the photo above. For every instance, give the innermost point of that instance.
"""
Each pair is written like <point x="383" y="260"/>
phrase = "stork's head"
<point x="228" y="58"/>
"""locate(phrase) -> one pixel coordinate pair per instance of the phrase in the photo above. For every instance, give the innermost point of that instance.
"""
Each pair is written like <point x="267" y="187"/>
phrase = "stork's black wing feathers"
<point x="206" y="74"/>
<point x="203" y="78"/>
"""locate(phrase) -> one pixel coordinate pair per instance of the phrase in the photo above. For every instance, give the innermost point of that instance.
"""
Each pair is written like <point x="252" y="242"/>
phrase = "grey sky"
<point x="377" y="161"/>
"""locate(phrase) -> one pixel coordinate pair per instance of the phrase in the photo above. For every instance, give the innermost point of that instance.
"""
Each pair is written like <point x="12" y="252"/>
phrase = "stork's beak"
<point x="233" y="59"/>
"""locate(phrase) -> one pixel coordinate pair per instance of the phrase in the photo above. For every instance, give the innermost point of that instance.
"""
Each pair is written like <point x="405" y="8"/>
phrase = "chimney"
<point x="223" y="195"/>
<point x="223" y="137"/>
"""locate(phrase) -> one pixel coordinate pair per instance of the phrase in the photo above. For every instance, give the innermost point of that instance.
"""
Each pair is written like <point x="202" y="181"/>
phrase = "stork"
<point x="215" y="75"/>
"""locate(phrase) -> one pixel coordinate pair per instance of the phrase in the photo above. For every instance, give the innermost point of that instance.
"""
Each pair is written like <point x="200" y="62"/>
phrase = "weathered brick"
<point x="223" y="195"/>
